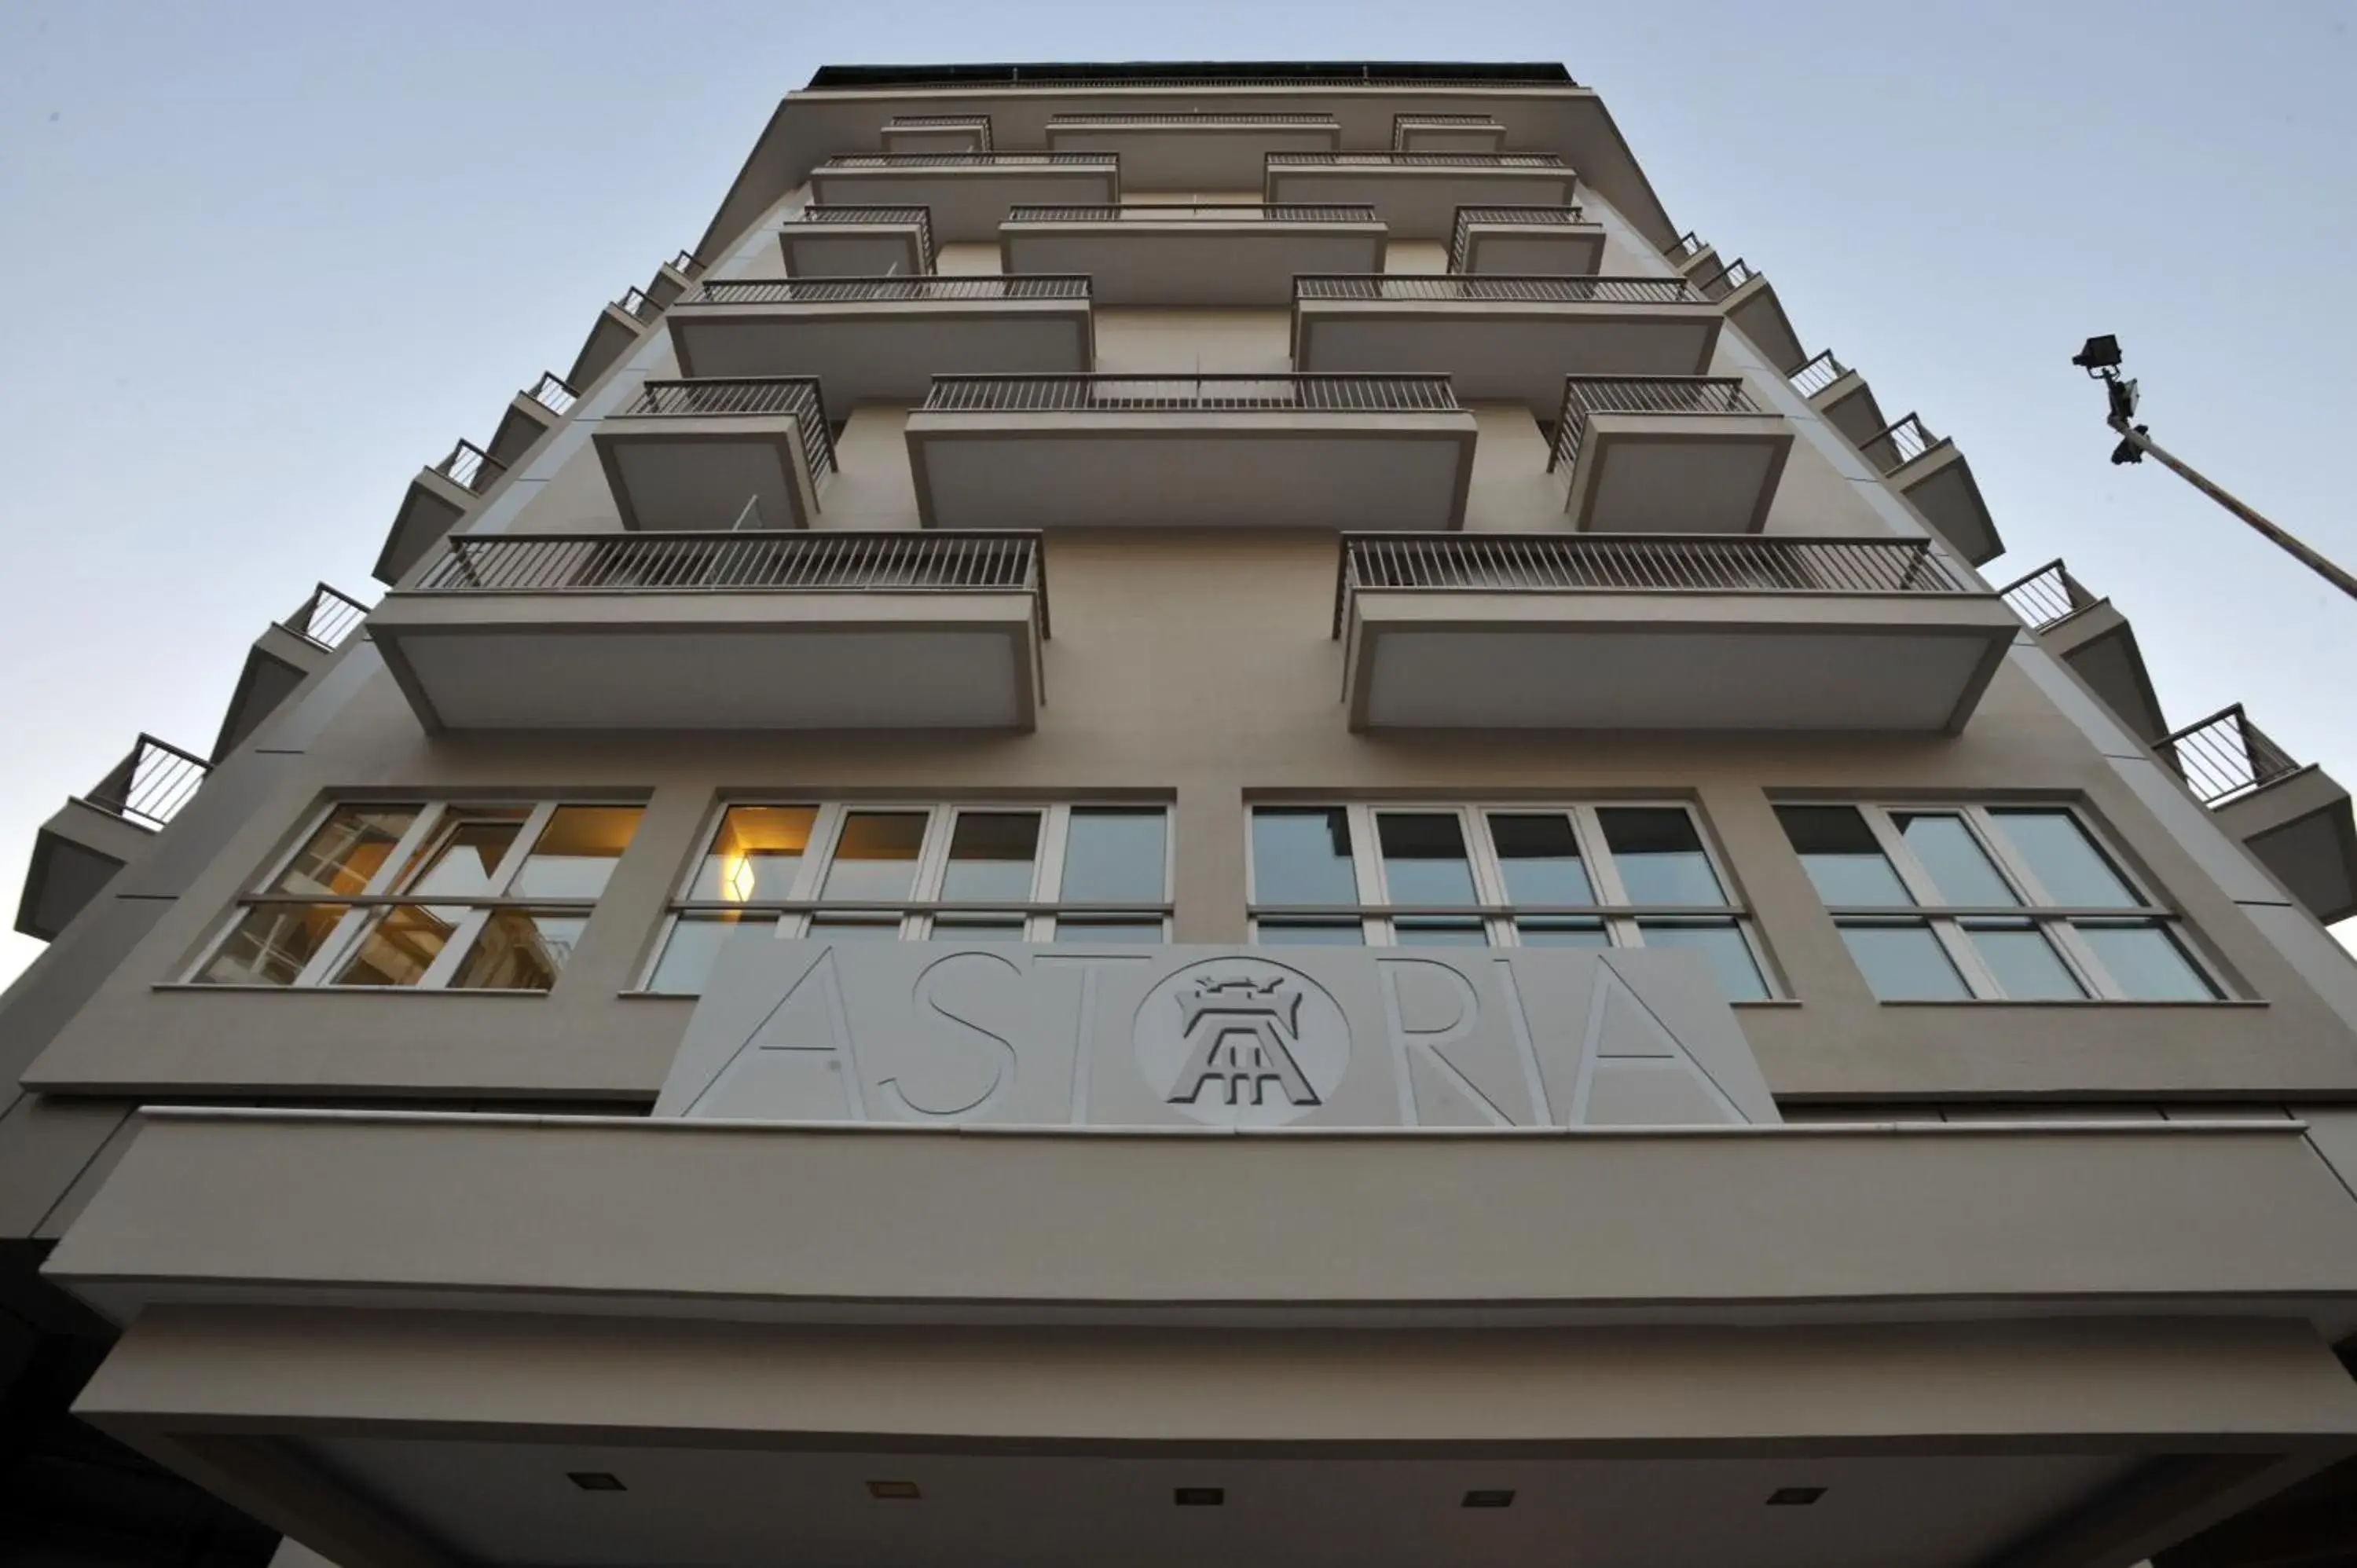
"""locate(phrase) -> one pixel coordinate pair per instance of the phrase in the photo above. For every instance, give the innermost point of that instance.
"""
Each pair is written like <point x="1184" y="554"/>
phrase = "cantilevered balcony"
<point x="1753" y="310"/>
<point x="1667" y="454"/>
<point x="2094" y="639"/>
<point x="967" y="193"/>
<point x="617" y="326"/>
<point x="882" y="339"/>
<point x="530" y="414"/>
<point x="1235" y="451"/>
<point x="1532" y="241"/>
<point x="1223" y="253"/>
<point x="437" y="497"/>
<point x="1498" y="631"/>
<point x="1425" y="133"/>
<point x="1693" y="255"/>
<point x="2296" y="818"/>
<point x="1186" y="151"/>
<point x="828" y="241"/>
<point x="77" y="852"/>
<point x="699" y="454"/>
<point x="287" y="653"/>
<point x="1931" y="473"/>
<point x="733" y="631"/>
<point x="1842" y="396"/>
<point x="1503" y="339"/>
<point x="1418" y="194"/>
<point x="674" y="278"/>
<point x="937" y="134"/>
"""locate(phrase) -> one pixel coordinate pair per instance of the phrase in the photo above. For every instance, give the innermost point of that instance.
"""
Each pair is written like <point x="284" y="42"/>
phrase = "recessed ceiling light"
<point x="596" y="1480"/>
<point x="1199" y="1497"/>
<point x="893" y="1491"/>
<point x="1489" y="1498"/>
<point x="1794" y="1496"/>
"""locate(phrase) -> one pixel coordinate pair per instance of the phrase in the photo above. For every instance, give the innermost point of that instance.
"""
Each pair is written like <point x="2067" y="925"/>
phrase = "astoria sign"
<point x="1139" y="1036"/>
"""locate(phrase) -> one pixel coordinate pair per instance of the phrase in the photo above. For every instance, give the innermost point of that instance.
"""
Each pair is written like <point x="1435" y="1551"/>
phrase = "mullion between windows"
<point x="344" y="940"/>
<point x="2077" y="953"/>
<point x="1980" y="980"/>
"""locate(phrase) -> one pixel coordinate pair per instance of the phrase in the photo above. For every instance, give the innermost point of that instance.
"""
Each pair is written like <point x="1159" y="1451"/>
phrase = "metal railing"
<point x="978" y="124"/>
<point x="1705" y="564"/>
<point x="886" y="290"/>
<point x="2224" y="756"/>
<point x="1190" y="117"/>
<point x="1908" y="438"/>
<point x="635" y="303"/>
<point x="1010" y="77"/>
<point x="148" y="786"/>
<point x="2046" y="595"/>
<point x="553" y="392"/>
<point x="1585" y="395"/>
<point x="470" y="467"/>
<point x="1338" y="394"/>
<point x="960" y="562"/>
<point x="1404" y="122"/>
<point x="1421" y="160"/>
<point x="1686" y="245"/>
<point x="1495" y="287"/>
<point x="688" y="265"/>
<point x="327" y="618"/>
<point x="1198" y="213"/>
<point x="717" y="397"/>
<point x="967" y="160"/>
<point x="1728" y="277"/>
<point x="854" y="213"/>
<point x="1462" y="233"/>
<point x="1819" y="373"/>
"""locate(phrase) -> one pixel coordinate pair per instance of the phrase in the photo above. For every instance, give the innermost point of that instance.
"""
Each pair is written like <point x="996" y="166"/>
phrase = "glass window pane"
<point x="2026" y="965"/>
<point x="576" y="852"/>
<point x="693" y="949"/>
<point x="1659" y="854"/>
<point x="346" y="852"/>
<point x="1720" y="941"/>
<point x="876" y="855"/>
<point x="1303" y="856"/>
<point x="754" y="855"/>
<point x="1540" y="857"/>
<point x="1108" y="930"/>
<point x="1563" y="934"/>
<point x="1959" y="867"/>
<point x="1114" y="857"/>
<point x="400" y="946"/>
<point x="271" y="944"/>
<point x="1905" y="962"/>
<point x="991" y="854"/>
<point x="1309" y="933"/>
<point x="1424" y="857"/>
<point x="519" y="950"/>
<point x="1840" y="854"/>
<point x="977" y="929"/>
<point x="2064" y="859"/>
<point x="2146" y="961"/>
<point x="854" y="928"/>
<point x="1439" y="934"/>
<point x="459" y="859"/>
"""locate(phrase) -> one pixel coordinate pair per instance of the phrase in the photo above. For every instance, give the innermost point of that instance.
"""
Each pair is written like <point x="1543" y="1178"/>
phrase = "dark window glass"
<point x="1303" y="856"/>
<point x="1659" y="855"/>
<point x="1839" y="851"/>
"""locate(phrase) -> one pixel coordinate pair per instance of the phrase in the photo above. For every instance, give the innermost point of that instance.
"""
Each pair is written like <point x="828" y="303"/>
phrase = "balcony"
<point x="1238" y="451"/>
<point x="1222" y="253"/>
<point x="1418" y="194"/>
<point x="674" y="278"/>
<point x="702" y="454"/>
<point x="1532" y="241"/>
<point x="2296" y="818"/>
<point x="616" y="328"/>
<point x="530" y="414"/>
<point x="1842" y="396"/>
<point x="285" y="656"/>
<point x="1693" y="255"/>
<point x="1934" y="477"/>
<point x="2094" y="639"/>
<point x="722" y="631"/>
<point x="822" y="241"/>
<point x="437" y="497"/>
<point x="1667" y="454"/>
<point x="1503" y="339"/>
<point x="1420" y="132"/>
<point x="937" y="134"/>
<point x="77" y="852"/>
<point x="967" y="193"/>
<point x="1753" y="310"/>
<point x="883" y="339"/>
<point x="1192" y="151"/>
<point x="1495" y="631"/>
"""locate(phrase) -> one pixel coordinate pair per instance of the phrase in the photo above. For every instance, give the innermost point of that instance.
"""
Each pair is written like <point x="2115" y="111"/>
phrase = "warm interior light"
<point x="736" y="876"/>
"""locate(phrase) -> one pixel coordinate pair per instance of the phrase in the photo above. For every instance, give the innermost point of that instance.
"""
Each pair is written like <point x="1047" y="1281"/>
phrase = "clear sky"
<point x="265" y="260"/>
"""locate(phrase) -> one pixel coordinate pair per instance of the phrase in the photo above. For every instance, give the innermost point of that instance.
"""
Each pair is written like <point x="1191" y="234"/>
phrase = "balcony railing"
<point x="2224" y="756"/>
<point x="687" y="264"/>
<point x="969" y="160"/>
<point x="978" y="124"/>
<point x="1677" y="395"/>
<point x="1728" y="277"/>
<point x="148" y="788"/>
<point x="1687" y="244"/>
<point x="1461" y="238"/>
<point x="1715" y="564"/>
<point x="886" y="290"/>
<point x="553" y="392"/>
<point x="1342" y="393"/>
<point x="1198" y="213"/>
<point x="967" y="561"/>
<point x="2045" y="596"/>
<point x="635" y="303"/>
<point x="1496" y="288"/>
<point x="1418" y="160"/>
<point x="327" y="618"/>
<point x="1818" y="374"/>
<point x="868" y="78"/>
<point x="1403" y="123"/>
<point x="747" y="397"/>
<point x="1908" y="437"/>
<point x="470" y="467"/>
<point x="1209" y="117"/>
<point x="854" y="212"/>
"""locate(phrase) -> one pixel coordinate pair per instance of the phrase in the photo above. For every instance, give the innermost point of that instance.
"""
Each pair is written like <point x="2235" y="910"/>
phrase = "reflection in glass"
<point x="2026" y="967"/>
<point x="1302" y="857"/>
<point x="459" y="859"/>
<point x="346" y="852"/>
<point x="576" y="852"/>
<point x="1309" y="933"/>
<point x="693" y="949"/>
<point x="854" y="928"/>
<point x="519" y="950"/>
<point x="2066" y="862"/>
<point x="1658" y="854"/>
<point x="1720" y="941"/>
<point x="1959" y="867"/>
<point x="977" y="929"/>
<point x="1424" y="857"/>
<point x="2146" y="961"/>
<point x="399" y="947"/>
<point x="1540" y="857"/>
<point x="1542" y="933"/>
<point x="754" y="855"/>
<point x="875" y="857"/>
<point x="990" y="856"/>
<point x="271" y="944"/>
<point x="1902" y="961"/>
<point x="1839" y="851"/>
<point x="1114" y="856"/>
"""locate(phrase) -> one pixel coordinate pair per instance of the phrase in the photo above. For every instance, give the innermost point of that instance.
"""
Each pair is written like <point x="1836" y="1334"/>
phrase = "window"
<point x="1973" y="903"/>
<point x="884" y="873"/>
<point x="437" y="895"/>
<point x="1562" y="876"/>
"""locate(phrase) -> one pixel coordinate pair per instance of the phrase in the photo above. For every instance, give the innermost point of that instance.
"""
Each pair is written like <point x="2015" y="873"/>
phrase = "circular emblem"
<point x="1242" y="1042"/>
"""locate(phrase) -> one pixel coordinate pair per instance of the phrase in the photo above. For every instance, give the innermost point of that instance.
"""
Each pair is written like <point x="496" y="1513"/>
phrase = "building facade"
<point x="1197" y="814"/>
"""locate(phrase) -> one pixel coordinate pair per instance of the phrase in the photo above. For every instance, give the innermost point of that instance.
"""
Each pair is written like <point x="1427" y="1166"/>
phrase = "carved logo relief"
<point x="1242" y="1042"/>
